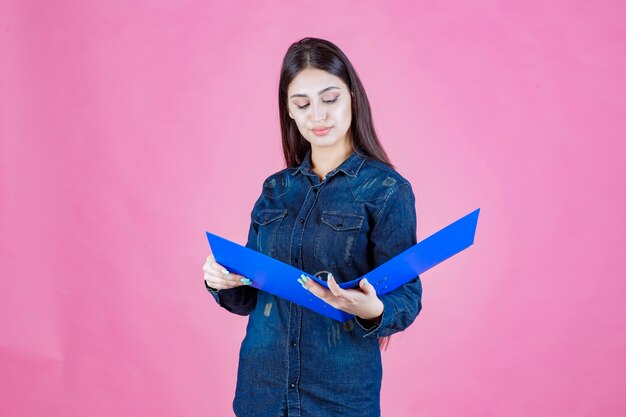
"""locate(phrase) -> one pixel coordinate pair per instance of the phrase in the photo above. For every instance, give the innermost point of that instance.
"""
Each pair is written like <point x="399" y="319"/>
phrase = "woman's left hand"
<point x="361" y="302"/>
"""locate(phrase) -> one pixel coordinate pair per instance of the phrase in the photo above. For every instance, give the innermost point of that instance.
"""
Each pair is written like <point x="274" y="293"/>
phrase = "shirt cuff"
<point x="365" y="324"/>
<point x="213" y="292"/>
<point x="373" y="330"/>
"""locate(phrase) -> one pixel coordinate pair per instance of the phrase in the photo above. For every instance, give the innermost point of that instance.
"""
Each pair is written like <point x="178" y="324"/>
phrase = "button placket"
<point x="295" y="320"/>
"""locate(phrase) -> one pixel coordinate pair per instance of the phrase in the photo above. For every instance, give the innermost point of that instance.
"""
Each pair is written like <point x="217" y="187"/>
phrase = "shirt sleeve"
<point x="393" y="232"/>
<point x="239" y="300"/>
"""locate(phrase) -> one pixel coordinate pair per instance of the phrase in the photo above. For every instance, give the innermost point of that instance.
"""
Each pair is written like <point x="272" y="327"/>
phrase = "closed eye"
<point x="323" y="101"/>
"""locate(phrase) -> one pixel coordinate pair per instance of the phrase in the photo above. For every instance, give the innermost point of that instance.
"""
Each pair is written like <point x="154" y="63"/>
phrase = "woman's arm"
<point x="394" y="232"/>
<point x="239" y="300"/>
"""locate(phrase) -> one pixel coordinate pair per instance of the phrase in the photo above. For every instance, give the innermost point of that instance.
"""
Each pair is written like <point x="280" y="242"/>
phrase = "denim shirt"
<point x="361" y="215"/>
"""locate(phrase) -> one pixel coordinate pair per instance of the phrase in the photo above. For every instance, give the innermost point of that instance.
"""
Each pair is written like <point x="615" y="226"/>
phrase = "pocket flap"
<point x="342" y="221"/>
<point x="269" y="215"/>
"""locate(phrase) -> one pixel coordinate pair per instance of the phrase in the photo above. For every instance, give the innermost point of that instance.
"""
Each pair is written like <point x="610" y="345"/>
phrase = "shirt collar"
<point x="350" y="166"/>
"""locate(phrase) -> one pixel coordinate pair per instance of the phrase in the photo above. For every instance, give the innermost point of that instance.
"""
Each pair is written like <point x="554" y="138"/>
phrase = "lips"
<point x="321" y="130"/>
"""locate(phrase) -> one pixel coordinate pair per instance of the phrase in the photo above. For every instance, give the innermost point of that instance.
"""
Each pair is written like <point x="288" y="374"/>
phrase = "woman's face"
<point x="318" y="99"/>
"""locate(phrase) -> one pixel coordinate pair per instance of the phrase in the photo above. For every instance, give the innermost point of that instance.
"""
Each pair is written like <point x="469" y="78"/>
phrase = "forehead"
<point x="311" y="81"/>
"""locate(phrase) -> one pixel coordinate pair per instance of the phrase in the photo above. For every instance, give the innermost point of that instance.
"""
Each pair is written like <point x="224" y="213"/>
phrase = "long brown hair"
<point x="321" y="54"/>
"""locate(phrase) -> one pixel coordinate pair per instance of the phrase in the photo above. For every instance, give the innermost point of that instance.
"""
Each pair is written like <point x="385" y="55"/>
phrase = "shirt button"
<point x="293" y="344"/>
<point x="314" y="190"/>
<point x="292" y="385"/>
<point x="301" y="221"/>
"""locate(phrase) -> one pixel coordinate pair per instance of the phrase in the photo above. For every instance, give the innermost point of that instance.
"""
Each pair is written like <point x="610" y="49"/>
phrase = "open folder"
<point x="276" y="277"/>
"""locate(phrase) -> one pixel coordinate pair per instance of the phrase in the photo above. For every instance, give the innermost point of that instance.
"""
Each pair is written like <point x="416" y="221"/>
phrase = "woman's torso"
<point x="324" y="367"/>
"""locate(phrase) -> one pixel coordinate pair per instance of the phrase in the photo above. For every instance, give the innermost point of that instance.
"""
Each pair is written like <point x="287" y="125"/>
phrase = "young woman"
<point x="337" y="211"/>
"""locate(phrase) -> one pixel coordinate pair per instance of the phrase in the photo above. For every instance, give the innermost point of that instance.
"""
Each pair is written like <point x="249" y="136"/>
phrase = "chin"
<point x="324" y="142"/>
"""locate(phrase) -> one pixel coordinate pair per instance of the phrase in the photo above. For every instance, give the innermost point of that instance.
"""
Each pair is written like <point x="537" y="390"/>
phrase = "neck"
<point x="326" y="159"/>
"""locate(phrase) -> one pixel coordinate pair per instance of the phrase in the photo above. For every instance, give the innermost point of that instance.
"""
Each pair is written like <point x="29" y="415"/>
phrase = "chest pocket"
<point x="268" y="221"/>
<point x="337" y="237"/>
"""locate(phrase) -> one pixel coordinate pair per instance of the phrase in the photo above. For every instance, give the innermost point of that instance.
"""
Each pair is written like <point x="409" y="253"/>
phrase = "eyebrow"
<point x="320" y="93"/>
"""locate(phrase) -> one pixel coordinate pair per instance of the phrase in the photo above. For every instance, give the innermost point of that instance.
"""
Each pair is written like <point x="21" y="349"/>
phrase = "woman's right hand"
<point x="218" y="278"/>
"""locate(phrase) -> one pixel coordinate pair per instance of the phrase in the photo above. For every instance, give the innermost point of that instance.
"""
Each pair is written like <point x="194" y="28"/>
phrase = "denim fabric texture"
<point x="361" y="215"/>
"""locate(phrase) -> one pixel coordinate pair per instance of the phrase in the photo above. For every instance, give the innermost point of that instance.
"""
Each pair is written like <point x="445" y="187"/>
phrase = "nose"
<point x="319" y="111"/>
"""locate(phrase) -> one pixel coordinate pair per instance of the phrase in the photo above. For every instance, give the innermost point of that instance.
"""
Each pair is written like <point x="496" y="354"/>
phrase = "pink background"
<point x="130" y="128"/>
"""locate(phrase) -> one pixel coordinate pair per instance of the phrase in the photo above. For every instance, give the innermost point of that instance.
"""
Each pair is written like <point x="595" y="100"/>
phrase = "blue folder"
<point x="276" y="277"/>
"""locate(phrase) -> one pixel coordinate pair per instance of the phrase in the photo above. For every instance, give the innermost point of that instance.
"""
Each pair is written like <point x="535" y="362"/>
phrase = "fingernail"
<point x="300" y="281"/>
<point x="245" y="280"/>
<point x="225" y="272"/>
<point x="305" y="278"/>
<point x="330" y="276"/>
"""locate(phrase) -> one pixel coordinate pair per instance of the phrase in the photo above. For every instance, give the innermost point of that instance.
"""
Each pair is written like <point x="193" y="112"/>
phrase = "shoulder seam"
<point x="281" y="172"/>
<point x="278" y="174"/>
<point x="379" y="165"/>
<point x="388" y="196"/>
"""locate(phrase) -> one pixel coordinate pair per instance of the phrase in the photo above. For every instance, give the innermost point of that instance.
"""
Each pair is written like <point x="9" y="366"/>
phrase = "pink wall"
<point x="130" y="128"/>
